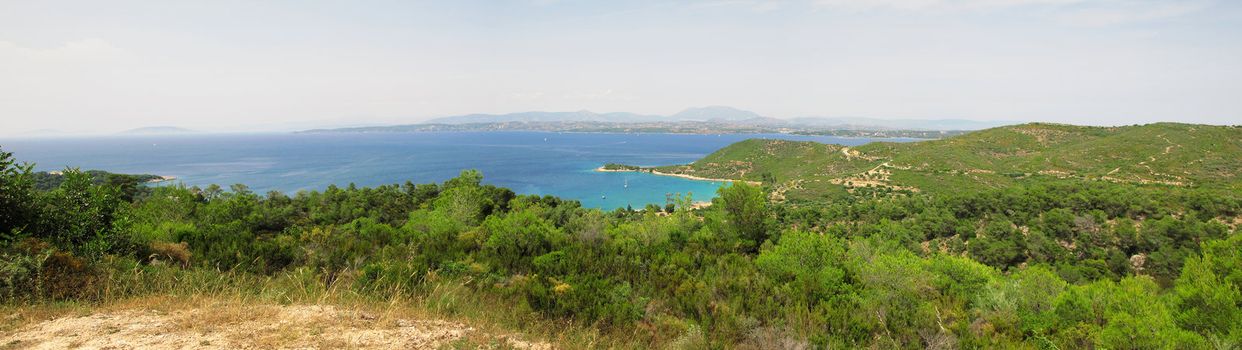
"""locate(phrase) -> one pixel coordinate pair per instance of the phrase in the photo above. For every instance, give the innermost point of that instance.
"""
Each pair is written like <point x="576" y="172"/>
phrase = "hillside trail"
<point x="251" y="327"/>
<point x="1179" y="181"/>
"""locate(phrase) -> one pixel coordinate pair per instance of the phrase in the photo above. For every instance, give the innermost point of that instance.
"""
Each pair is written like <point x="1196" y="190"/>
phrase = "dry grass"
<point x="214" y="323"/>
<point x="197" y="308"/>
<point x="173" y="252"/>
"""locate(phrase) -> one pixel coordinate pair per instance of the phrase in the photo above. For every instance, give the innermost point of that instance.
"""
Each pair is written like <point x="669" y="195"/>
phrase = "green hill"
<point x="1167" y="154"/>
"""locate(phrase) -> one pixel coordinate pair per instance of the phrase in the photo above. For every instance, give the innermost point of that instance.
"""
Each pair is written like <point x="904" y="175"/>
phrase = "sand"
<point x="684" y="176"/>
<point x="245" y="327"/>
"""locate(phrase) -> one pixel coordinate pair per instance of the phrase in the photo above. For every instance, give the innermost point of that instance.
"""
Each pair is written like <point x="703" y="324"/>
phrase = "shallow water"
<point x="560" y="164"/>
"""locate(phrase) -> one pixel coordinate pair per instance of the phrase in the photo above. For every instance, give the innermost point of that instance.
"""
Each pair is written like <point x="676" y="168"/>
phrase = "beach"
<point x="684" y="176"/>
<point x="162" y="178"/>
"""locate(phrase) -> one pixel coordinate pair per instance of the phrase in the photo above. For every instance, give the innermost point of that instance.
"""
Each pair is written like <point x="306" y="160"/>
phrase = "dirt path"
<point x="1178" y="180"/>
<point x="249" y="327"/>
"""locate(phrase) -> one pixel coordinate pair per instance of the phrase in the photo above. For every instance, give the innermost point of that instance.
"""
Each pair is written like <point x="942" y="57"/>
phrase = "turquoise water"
<point x="560" y="164"/>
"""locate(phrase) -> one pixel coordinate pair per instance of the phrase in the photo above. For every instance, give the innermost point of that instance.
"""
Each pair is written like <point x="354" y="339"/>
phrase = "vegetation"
<point x="915" y="134"/>
<point x="1177" y="155"/>
<point x="51" y="180"/>
<point x="620" y="167"/>
<point x="1035" y="263"/>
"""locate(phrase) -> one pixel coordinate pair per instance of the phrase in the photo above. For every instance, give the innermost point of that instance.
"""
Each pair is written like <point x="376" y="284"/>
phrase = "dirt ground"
<point x="251" y="327"/>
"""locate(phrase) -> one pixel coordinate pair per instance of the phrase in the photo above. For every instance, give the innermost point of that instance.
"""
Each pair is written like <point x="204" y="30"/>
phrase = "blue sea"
<point x="559" y="164"/>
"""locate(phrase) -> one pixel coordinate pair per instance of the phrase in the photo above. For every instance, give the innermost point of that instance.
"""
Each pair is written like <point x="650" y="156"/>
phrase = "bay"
<point x="543" y="163"/>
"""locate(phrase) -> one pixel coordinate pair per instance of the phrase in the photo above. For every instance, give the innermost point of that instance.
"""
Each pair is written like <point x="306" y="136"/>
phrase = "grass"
<point x="234" y="297"/>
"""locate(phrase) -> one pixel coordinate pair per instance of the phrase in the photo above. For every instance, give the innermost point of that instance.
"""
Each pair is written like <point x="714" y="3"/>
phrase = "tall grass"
<point x="125" y="283"/>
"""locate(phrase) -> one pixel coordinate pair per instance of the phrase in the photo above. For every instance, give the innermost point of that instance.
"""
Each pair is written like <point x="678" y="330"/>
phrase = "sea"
<point x="541" y="163"/>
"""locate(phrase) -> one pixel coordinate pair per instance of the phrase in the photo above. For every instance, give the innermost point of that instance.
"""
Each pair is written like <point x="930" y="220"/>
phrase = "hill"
<point x="528" y="117"/>
<point x="899" y="124"/>
<point x="722" y="113"/>
<point x="1155" y="154"/>
<point x="750" y="126"/>
<point x="157" y="130"/>
<point x="707" y="120"/>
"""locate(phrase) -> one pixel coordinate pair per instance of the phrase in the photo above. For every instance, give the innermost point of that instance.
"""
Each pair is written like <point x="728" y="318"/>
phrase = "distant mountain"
<point x="710" y="113"/>
<point x="899" y="124"/>
<point x="528" y="117"/>
<point x="710" y="119"/>
<point x="749" y="126"/>
<point x="725" y="114"/>
<point x="719" y="113"/>
<point x="157" y="130"/>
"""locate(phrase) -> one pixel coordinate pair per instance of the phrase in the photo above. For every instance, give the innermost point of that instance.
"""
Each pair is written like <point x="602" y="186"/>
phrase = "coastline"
<point x="684" y="176"/>
<point x="161" y="178"/>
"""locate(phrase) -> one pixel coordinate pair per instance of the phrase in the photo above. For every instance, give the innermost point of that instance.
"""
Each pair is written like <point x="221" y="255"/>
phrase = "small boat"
<point x="603" y="197"/>
<point x="627" y="183"/>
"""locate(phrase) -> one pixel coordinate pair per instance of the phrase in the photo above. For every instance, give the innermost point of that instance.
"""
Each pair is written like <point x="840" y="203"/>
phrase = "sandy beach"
<point x="162" y="178"/>
<point x="684" y="176"/>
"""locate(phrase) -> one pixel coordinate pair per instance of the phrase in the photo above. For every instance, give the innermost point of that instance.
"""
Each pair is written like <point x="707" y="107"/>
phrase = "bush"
<point x="178" y="253"/>
<point x="37" y="270"/>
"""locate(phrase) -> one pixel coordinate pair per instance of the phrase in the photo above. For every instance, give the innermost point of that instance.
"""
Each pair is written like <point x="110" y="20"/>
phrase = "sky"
<point x="223" y="65"/>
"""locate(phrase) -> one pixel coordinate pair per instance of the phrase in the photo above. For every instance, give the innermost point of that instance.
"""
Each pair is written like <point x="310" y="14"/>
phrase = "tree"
<point x="1204" y="302"/>
<point x="1137" y="320"/>
<point x="79" y="214"/>
<point x="1059" y="223"/>
<point x="746" y="213"/>
<point x="17" y="196"/>
<point x="999" y="246"/>
<point x="515" y="239"/>
<point x="467" y="205"/>
<point x="809" y="262"/>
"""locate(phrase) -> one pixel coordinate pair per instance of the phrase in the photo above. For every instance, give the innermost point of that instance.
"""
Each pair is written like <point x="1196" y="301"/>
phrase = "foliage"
<point x="1033" y="265"/>
<point x="1161" y="154"/>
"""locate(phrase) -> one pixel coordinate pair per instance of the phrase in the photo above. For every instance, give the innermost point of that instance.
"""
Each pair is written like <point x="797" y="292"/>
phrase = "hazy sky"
<point x="213" y="65"/>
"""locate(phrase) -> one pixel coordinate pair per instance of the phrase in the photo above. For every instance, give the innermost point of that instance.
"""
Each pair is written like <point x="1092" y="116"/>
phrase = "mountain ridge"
<point x="157" y="130"/>
<point x="708" y="116"/>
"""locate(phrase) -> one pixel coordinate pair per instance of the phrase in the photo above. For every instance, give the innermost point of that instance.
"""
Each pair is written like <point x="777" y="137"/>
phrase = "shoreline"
<point x="880" y="138"/>
<point x="684" y="176"/>
<point x="161" y="178"/>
